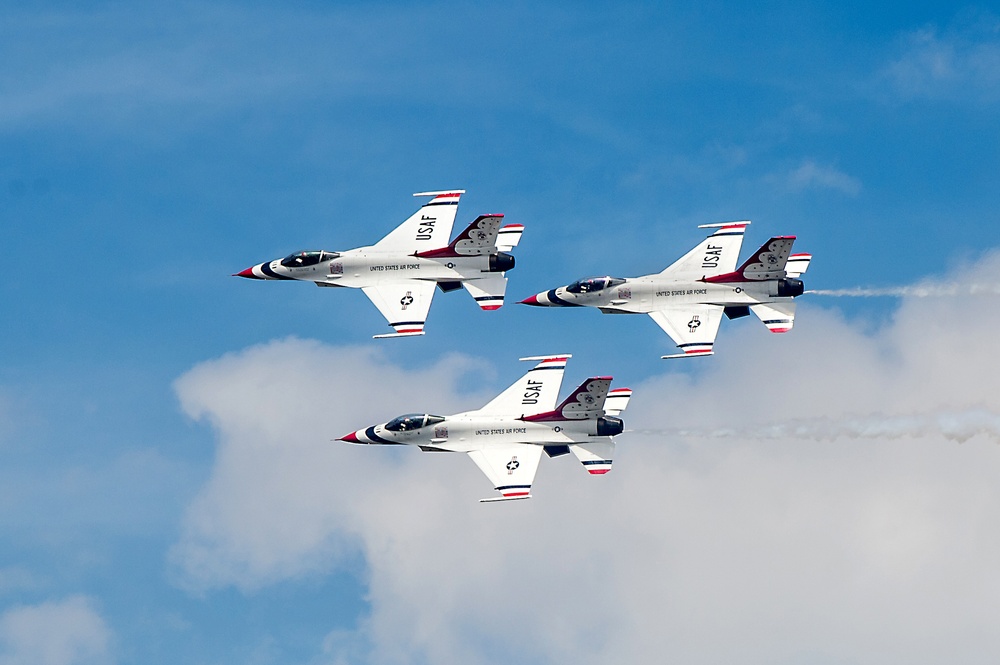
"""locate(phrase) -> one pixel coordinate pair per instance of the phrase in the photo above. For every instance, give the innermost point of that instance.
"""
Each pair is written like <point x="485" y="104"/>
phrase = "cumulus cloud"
<point x="283" y="498"/>
<point x="810" y="175"/>
<point x="800" y="497"/>
<point x="66" y="632"/>
<point x="958" y="62"/>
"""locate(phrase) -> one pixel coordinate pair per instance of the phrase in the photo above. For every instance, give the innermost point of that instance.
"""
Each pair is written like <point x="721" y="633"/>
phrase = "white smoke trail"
<point x="958" y="426"/>
<point x="916" y="291"/>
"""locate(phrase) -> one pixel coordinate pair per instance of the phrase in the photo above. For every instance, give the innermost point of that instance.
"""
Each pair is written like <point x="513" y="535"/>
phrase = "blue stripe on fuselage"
<point x="266" y="269"/>
<point x="370" y="433"/>
<point x="553" y="298"/>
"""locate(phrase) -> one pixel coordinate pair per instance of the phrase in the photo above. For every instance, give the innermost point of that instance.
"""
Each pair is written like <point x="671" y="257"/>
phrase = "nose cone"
<point x="350" y="438"/>
<point x="550" y="298"/>
<point x="249" y="273"/>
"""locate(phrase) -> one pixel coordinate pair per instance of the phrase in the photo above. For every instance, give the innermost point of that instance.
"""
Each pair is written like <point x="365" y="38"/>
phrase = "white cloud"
<point x="67" y="632"/>
<point x="283" y="499"/>
<point x="810" y="175"/>
<point x="776" y="531"/>
<point x="959" y="62"/>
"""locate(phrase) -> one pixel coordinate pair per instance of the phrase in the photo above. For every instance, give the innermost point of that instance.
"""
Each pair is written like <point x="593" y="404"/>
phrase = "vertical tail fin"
<point x="769" y="261"/>
<point x="586" y="402"/>
<point x="477" y="239"/>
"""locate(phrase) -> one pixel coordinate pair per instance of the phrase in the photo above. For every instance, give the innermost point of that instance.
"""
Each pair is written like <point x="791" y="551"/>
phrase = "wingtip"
<point x="495" y="499"/>
<point x="442" y="192"/>
<point x="688" y="354"/>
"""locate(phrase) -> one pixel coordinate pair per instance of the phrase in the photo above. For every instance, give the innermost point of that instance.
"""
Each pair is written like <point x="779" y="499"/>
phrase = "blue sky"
<point x="149" y="402"/>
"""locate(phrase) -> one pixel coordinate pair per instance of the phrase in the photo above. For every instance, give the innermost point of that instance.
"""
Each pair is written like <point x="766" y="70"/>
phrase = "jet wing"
<point x="510" y="467"/>
<point x="403" y="304"/>
<point x="535" y="392"/>
<point x="693" y="327"/>
<point x="716" y="255"/>
<point x="427" y="228"/>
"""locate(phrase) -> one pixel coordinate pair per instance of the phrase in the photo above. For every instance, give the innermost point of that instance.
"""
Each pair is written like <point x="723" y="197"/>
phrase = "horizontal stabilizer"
<point x="797" y="264"/>
<point x="617" y="401"/>
<point x="595" y="456"/>
<point x="509" y="236"/>
<point x="488" y="291"/>
<point x="779" y="317"/>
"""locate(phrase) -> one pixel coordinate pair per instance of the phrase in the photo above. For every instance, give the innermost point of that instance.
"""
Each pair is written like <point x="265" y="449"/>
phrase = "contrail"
<point x="958" y="426"/>
<point x="927" y="291"/>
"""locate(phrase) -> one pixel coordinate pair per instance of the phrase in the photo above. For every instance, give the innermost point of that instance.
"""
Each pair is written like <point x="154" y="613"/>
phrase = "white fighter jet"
<point x="506" y="437"/>
<point x="400" y="272"/>
<point x="689" y="298"/>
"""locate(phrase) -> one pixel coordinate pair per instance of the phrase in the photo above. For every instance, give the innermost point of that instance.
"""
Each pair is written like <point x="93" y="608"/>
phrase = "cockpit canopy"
<point x="308" y="258"/>
<point x="412" y="421"/>
<point x="592" y="284"/>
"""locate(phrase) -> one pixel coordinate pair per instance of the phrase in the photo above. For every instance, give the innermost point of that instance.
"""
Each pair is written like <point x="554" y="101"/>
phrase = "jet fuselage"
<point x="463" y="433"/>
<point x="365" y="267"/>
<point x="650" y="293"/>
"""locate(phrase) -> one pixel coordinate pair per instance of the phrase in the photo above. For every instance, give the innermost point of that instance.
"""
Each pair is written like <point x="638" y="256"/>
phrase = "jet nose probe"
<point x="248" y="273"/>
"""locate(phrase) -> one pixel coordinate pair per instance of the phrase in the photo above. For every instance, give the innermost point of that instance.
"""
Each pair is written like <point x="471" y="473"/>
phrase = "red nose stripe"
<point x="245" y="273"/>
<point x="350" y="438"/>
<point x="533" y="300"/>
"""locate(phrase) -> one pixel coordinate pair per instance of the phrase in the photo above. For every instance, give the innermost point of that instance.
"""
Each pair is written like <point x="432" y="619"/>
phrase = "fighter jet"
<point x="400" y="271"/>
<point x="689" y="298"/>
<point x="506" y="437"/>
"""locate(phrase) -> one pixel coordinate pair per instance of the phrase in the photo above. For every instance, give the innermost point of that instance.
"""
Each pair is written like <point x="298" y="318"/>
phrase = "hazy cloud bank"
<point x="66" y="632"/>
